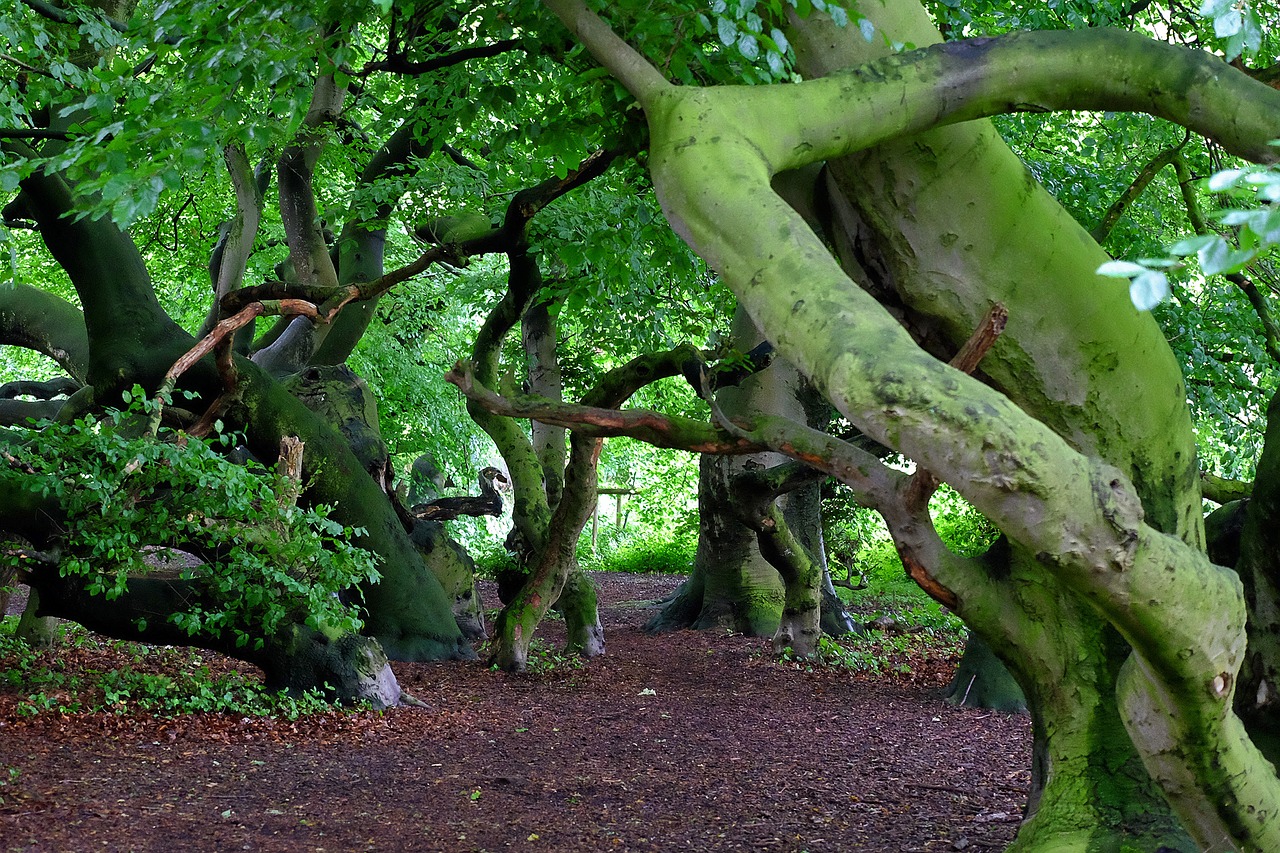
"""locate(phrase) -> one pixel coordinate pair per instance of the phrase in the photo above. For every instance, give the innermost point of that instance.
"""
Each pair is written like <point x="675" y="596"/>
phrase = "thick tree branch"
<point x="37" y="320"/>
<point x="231" y="256"/>
<point x="62" y="16"/>
<point x="522" y="208"/>
<point x="660" y="430"/>
<point x="623" y="62"/>
<point x="362" y="241"/>
<point x="1222" y="490"/>
<point x="309" y="258"/>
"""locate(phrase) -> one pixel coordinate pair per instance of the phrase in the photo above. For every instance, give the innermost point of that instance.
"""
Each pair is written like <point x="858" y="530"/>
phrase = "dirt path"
<point x="687" y="741"/>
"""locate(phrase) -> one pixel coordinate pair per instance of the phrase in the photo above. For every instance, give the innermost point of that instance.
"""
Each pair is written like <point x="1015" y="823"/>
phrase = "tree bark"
<point x="713" y="153"/>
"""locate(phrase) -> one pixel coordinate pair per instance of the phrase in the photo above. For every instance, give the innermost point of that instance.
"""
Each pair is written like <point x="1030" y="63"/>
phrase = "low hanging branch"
<point x="219" y="341"/>
<point x="489" y="502"/>
<point x="522" y="208"/>
<point x="660" y="430"/>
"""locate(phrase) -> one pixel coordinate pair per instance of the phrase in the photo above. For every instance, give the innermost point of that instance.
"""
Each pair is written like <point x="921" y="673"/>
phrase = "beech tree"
<point x="333" y="145"/>
<point x="925" y="284"/>
<point x="1076" y="441"/>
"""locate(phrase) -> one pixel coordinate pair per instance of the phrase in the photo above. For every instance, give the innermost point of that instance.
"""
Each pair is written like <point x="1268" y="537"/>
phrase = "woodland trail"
<point x="684" y="741"/>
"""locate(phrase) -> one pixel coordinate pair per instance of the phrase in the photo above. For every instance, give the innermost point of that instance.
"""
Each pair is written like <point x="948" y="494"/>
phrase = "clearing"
<point x="683" y="741"/>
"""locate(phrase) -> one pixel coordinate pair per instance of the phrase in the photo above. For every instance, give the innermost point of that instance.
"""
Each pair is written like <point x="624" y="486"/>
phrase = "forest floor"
<point x="684" y="741"/>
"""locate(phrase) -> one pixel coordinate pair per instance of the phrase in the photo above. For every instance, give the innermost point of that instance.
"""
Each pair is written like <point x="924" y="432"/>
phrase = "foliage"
<point x="545" y="659"/>
<point x="861" y="549"/>
<point x="52" y="685"/>
<point x="964" y="530"/>
<point x="879" y="652"/>
<point x="269" y="561"/>
<point x="642" y="552"/>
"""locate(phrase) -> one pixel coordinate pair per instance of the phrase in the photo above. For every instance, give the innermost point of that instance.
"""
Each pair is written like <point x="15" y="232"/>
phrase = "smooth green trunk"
<point x="406" y="610"/>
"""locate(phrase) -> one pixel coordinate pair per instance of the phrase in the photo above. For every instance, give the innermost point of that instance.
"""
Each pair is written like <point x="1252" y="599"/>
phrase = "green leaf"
<point x="1148" y="290"/>
<point x="1191" y="245"/>
<point x="749" y="47"/>
<point x="1218" y="257"/>
<point x="1226" y="179"/>
<point x="727" y="30"/>
<point x="1121" y="269"/>
<point x="1228" y="24"/>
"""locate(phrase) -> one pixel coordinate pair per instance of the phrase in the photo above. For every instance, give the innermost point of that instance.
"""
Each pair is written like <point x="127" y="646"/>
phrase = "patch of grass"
<point x="633" y="554"/>
<point x="84" y="673"/>
<point x="638" y="555"/>
<point x="876" y="652"/>
<point x="544" y="658"/>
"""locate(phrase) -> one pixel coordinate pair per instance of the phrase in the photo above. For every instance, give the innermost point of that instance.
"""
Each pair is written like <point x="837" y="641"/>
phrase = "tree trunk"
<point x="343" y="667"/>
<point x="581" y="612"/>
<point x="1258" y="562"/>
<point x="740" y="589"/>
<point x="37" y="631"/>
<point x="555" y="562"/>
<point x="983" y="681"/>
<point x="406" y="610"/>
<point x="453" y="567"/>
<point x="931" y="176"/>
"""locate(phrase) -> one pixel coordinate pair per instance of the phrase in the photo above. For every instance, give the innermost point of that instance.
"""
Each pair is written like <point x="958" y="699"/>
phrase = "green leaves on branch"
<point x="1256" y="231"/>
<point x="752" y="27"/>
<point x="1147" y="287"/>
<point x="1236" y="21"/>
<point x="128" y="504"/>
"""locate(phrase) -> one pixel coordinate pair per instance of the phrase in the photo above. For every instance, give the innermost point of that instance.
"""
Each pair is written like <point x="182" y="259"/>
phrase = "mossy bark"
<point x="732" y="586"/>
<point x="555" y="562"/>
<point x="406" y="610"/>
<point x="982" y="681"/>
<point x="1258" y="562"/>
<point x="741" y="588"/>
<point x="37" y="631"/>
<point x="1081" y="519"/>
<point x="453" y="567"/>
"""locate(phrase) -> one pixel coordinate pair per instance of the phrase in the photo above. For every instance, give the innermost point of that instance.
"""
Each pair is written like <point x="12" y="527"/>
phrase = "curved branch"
<point x="623" y="61"/>
<point x="1222" y="490"/>
<point x="597" y="422"/>
<point x="1145" y="176"/>
<point x="37" y="320"/>
<point x="398" y="64"/>
<point x="363" y="239"/>
<point x="231" y="257"/>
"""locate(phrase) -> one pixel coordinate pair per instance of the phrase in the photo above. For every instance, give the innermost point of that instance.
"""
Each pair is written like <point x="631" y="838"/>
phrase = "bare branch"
<point x="599" y="422"/>
<point x="399" y="64"/>
<point x="1144" y="177"/>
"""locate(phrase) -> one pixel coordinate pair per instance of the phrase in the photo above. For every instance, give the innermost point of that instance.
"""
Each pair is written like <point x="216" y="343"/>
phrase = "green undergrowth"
<point x="85" y="673"/>
<point x="544" y="658"/>
<point x="863" y="554"/>
<point x="878" y="653"/>
<point x="635" y="555"/>
<point x="638" y="553"/>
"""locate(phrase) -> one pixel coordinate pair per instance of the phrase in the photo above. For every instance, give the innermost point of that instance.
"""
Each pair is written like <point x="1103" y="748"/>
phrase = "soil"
<point x="684" y="741"/>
